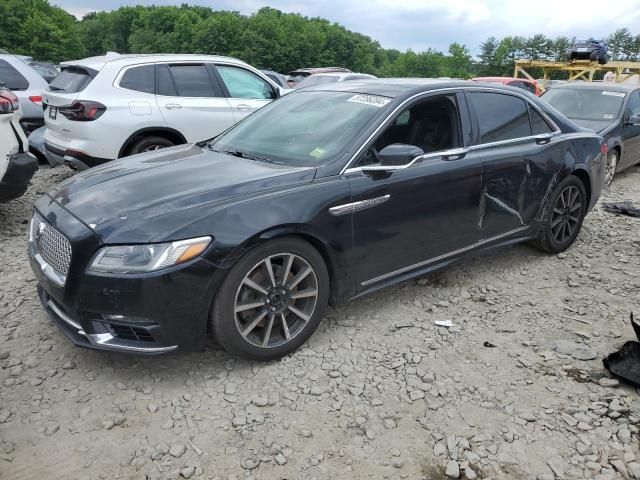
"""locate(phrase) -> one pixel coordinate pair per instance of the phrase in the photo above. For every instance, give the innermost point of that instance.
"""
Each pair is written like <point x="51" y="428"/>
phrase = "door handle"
<point x="455" y="154"/>
<point x="173" y="106"/>
<point x="243" y="107"/>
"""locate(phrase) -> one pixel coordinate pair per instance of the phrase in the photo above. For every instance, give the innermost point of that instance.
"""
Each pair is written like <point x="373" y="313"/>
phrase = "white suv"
<point x="102" y="108"/>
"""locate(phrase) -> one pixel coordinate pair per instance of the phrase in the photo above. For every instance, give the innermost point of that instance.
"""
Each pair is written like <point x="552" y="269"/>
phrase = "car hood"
<point x="597" y="126"/>
<point x="159" y="196"/>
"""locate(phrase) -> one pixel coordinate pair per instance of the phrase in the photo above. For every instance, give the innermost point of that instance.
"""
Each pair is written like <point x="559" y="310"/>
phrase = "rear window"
<point x="11" y="77"/>
<point x="71" y="80"/>
<point x="140" y="79"/>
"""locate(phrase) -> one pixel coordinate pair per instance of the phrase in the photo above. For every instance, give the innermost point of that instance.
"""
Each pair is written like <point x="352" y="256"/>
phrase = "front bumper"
<point x="150" y="313"/>
<point x="16" y="179"/>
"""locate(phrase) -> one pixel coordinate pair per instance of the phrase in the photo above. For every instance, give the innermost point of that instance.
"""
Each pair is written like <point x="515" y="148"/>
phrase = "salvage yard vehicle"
<point x="16" y="164"/>
<point x="28" y="84"/>
<point x="327" y="194"/>
<point x="611" y="110"/>
<point x="300" y="74"/>
<point x="524" y="83"/>
<point x="103" y="108"/>
<point x="592" y="50"/>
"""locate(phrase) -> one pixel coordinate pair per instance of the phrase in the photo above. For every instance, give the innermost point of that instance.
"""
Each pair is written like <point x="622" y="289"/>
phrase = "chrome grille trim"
<point x="51" y="250"/>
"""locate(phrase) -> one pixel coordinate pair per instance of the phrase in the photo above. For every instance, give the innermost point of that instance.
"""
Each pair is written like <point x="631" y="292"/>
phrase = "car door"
<point x="192" y="101"/>
<point x="246" y="91"/>
<point x="407" y="219"/>
<point x="521" y="153"/>
<point x="631" y="133"/>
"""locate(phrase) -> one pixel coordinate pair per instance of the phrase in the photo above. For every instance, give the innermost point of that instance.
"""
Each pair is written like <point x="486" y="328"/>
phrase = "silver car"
<point x="28" y="86"/>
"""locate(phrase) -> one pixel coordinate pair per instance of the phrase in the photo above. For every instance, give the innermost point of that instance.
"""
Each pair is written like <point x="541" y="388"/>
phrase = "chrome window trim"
<point x="442" y="257"/>
<point x="462" y="89"/>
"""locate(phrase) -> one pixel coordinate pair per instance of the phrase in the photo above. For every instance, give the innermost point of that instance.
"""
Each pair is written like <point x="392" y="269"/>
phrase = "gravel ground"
<point x="515" y="389"/>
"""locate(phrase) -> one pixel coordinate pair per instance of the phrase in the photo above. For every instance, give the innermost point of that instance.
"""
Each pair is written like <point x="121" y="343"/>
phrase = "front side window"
<point x="11" y="77"/>
<point x="586" y="103"/>
<point x="192" y="80"/>
<point x="242" y="83"/>
<point x="140" y="79"/>
<point x="500" y="116"/>
<point x="634" y="103"/>
<point x="305" y="128"/>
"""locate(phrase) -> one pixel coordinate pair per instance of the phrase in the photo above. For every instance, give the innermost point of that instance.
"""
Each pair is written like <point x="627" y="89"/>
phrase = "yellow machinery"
<point x="580" y="69"/>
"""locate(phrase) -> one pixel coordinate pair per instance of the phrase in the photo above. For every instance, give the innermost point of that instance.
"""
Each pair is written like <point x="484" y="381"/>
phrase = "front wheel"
<point x="562" y="217"/>
<point x="272" y="300"/>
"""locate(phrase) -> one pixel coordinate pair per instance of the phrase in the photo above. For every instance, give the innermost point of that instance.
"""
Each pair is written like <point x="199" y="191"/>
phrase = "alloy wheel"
<point x="152" y="148"/>
<point x="612" y="163"/>
<point x="275" y="300"/>
<point x="566" y="214"/>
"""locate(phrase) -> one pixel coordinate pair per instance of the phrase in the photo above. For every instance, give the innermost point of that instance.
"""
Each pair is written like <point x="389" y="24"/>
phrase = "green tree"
<point x="459" y="61"/>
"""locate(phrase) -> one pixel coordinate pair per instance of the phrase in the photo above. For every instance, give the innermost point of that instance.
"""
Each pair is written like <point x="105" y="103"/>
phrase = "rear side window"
<point x="538" y="124"/>
<point x="242" y="83"/>
<point x="140" y="79"/>
<point x="500" y="117"/>
<point x="165" y="82"/>
<point x="71" y="80"/>
<point x="192" y="81"/>
<point x="11" y="77"/>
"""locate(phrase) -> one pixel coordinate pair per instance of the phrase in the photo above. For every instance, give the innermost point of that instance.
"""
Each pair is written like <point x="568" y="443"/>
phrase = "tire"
<point x="593" y="56"/>
<point x="562" y="217"/>
<point x="148" y="144"/>
<point x="603" y="59"/>
<point x="570" y="57"/>
<point x="610" y="170"/>
<point x="250" y="308"/>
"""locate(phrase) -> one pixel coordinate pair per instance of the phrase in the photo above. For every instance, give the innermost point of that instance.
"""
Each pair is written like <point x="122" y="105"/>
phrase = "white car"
<point x="102" y="108"/>
<point x="16" y="164"/>
<point x="331" y="77"/>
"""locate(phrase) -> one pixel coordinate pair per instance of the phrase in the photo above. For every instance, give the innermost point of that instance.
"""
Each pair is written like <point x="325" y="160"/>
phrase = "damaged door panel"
<point x="521" y="155"/>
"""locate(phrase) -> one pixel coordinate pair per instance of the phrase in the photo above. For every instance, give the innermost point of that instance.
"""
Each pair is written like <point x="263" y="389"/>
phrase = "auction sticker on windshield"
<point x="372" y="100"/>
<point x="613" y="94"/>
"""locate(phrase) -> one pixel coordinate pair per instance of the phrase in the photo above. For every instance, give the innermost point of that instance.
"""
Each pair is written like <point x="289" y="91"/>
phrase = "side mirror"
<point x="634" y="120"/>
<point x="399" y="154"/>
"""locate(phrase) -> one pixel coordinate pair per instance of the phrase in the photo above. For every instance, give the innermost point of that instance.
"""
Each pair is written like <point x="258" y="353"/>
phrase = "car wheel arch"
<point x="169" y="133"/>
<point x="584" y="176"/>
<point x="300" y="232"/>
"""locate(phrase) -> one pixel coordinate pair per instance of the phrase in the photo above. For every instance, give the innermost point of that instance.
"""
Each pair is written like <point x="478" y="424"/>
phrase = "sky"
<point x="422" y="24"/>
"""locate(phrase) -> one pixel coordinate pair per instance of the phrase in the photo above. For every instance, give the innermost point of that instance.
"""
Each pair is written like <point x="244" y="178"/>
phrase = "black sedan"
<point x="325" y="195"/>
<point x="610" y="109"/>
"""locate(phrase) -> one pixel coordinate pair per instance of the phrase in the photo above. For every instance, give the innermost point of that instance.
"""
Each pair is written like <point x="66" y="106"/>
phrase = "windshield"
<point x="303" y="128"/>
<point x="317" y="80"/>
<point x="586" y="104"/>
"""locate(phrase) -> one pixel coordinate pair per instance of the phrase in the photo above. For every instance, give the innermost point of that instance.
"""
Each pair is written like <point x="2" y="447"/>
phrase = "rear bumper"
<point x="21" y="168"/>
<point x="31" y="124"/>
<point x="73" y="158"/>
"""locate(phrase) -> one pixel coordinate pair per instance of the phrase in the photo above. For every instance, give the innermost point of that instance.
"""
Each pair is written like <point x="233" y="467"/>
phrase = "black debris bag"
<point x="623" y="208"/>
<point x="625" y="363"/>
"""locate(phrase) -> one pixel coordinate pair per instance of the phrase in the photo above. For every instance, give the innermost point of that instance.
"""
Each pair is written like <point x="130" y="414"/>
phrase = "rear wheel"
<point x="272" y="300"/>
<point x="612" y="164"/>
<point x="562" y="217"/>
<point x="149" y="144"/>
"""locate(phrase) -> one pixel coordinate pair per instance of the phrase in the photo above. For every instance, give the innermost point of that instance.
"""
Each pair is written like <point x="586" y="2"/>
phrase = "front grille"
<point x="126" y="332"/>
<point x="53" y="247"/>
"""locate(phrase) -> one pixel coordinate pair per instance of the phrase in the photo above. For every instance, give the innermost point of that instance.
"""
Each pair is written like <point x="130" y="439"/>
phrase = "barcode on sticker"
<point x="372" y="100"/>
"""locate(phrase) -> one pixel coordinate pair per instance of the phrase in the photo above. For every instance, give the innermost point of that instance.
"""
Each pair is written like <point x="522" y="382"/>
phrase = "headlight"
<point x="147" y="258"/>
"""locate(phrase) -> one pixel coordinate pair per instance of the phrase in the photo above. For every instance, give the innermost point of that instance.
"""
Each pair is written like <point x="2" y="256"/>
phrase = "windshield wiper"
<point x="248" y="156"/>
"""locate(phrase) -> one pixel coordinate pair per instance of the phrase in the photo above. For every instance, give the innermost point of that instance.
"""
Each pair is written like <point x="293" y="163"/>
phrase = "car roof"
<point x="404" y="87"/>
<point x="99" y="62"/>
<point x="614" y="87"/>
<point x="501" y="79"/>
